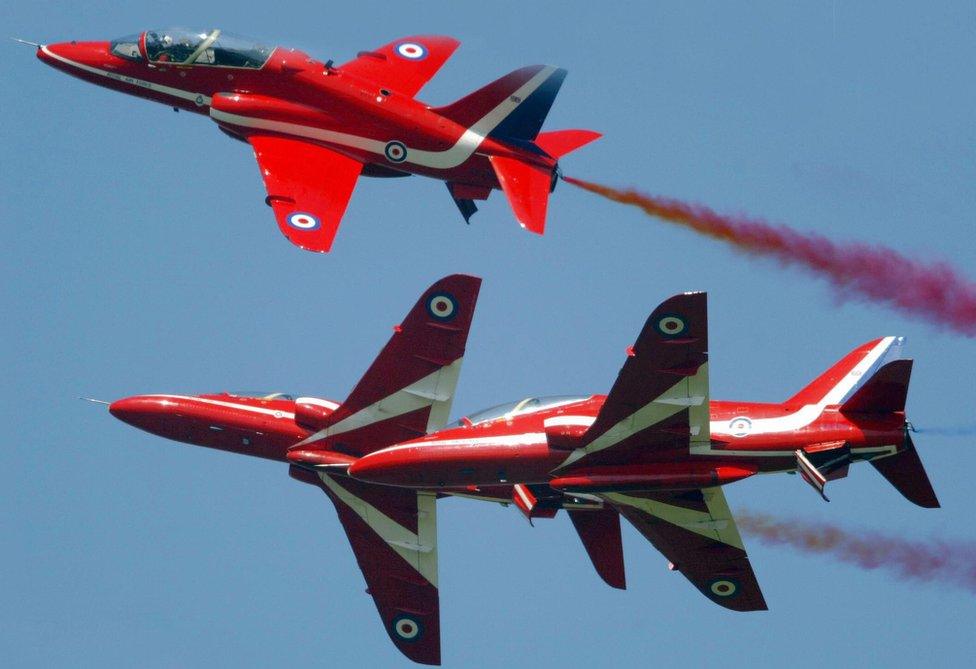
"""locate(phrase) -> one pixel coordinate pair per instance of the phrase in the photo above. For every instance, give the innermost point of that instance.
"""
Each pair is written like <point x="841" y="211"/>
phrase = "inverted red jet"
<point x="655" y="450"/>
<point x="316" y="127"/>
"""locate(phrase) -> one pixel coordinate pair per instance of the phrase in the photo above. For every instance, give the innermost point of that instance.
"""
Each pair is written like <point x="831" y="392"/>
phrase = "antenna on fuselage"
<point x="23" y="41"/>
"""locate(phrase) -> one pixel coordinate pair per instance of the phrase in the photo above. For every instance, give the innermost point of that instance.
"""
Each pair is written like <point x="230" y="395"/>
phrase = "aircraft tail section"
<point x="513" y="107"/>
<point x="849" y="374"/>
<point x="885" y="392"/>
<point x="904" y="470"/>
<point x="408" y="390"/>
<point x="558" y="143"/>
<point x="527" y="188"/>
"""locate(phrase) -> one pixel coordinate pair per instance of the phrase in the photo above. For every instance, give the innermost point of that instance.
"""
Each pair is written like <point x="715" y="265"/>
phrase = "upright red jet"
<point x="655" y="450"/>
<point x="316" y="127"/>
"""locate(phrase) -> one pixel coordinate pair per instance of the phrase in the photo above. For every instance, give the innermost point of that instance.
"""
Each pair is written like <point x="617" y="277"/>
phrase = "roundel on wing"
<point x="302" y="220"/>
<point x="442" y="306"/>
<point x="671" y="325"/>
<point x="395" y="151"/>
<point x="411" y="50"/>
<point x="723" y="588"/>
<point x="407" y="628"/>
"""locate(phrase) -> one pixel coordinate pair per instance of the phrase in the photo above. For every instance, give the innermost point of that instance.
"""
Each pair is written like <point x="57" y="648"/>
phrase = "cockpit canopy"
<point x="262" y="395"/>
<point x="187" y="47"/>
<point x="511" y="409"/>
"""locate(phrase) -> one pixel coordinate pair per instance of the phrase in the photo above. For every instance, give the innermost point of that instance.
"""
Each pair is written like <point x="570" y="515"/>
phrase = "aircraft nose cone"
<point x="136" y="410"/>
<point x="74" y="55"/>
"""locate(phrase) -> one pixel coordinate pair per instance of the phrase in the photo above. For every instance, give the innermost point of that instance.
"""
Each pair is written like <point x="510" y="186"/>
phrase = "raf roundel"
<point x="411" y="51"/>
<point x="740" y="426"/>
<point x="395" y="151"/>
<point x="723" y="587"/>
<point x="303" y="220"/>
<point x="442" y="306"/>
<point x="671" y="325"/>
<point x="407" y="628"/>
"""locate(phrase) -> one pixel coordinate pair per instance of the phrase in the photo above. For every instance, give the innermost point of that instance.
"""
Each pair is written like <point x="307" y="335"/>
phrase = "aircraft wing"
<point x="308" y="187"/>
<point x="659" y="402"/>
<point x="393" y="533"/>
<point x="403" y="65"/>
<point x="696" y="532"/>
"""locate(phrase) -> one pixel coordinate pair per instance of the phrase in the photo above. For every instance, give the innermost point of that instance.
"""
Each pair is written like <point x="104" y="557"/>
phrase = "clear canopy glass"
<point x="127" y="47"/>
<point x="214" y="47"/>
<point x="261" y="395"/>
<point x="519" y="408"/>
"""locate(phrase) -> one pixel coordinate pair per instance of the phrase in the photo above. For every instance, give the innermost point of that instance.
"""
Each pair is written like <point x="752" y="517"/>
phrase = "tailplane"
<point x="904" y="470"/>
<point x="560" y="142"/>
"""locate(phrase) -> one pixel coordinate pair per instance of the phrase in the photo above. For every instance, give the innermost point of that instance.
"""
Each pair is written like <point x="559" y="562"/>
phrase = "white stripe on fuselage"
<point x="798" y="419"/>
<point x="277" y="413"/>
<point x="197" y="98"/>
<point x="465" y="146"/>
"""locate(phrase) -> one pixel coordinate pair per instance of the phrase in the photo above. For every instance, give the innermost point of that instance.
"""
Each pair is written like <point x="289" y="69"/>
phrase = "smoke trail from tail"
<point x="934" y="290"/>
<point x="932" y="561"/>
<point x="956" y="431"/>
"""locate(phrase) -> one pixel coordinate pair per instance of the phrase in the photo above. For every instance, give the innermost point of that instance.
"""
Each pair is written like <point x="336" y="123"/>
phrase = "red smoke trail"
<point x="936" y="290"/>
<point x="922" y="561"/>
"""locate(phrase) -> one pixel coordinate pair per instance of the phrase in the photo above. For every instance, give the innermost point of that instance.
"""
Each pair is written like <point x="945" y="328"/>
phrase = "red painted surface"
<point x="306" y="118"/>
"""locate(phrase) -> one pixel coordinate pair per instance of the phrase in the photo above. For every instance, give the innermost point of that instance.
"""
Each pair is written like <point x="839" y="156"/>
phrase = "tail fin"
<point x="905" y="471"/>
<point x="840" y="382"/>
<point x="885" y="392"/>
<point x="408" y="390"/>
<point x="513" y="107"/>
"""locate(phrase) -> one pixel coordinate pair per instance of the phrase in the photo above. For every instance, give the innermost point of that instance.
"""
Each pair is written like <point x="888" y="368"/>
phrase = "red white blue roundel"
<point x="671" y="325"/>
<point x="407" y="628"/>
<point x="723" y="587"/>
<point x="442" y="306"/>
<point x="411" y="50"/>
<point x="740" y="426"/>
<point x="302" y="220"/>
<point x="395" y="151"/>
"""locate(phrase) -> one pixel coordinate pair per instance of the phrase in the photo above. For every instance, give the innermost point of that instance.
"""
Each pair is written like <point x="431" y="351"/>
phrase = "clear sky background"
<point x="139" y="257"/>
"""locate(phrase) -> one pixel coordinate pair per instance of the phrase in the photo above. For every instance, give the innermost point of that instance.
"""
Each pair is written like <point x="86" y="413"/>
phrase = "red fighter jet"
<point x="316" y="127"/>
<point x="655" y="450"/>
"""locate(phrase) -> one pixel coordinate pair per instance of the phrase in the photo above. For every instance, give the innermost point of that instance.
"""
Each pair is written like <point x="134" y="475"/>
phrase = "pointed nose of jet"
<point x="139" y="410"/>
<point x="73" y="57"/>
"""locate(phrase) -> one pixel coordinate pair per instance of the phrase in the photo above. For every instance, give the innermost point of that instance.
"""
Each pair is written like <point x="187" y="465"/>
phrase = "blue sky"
<point x="139" y="257"/>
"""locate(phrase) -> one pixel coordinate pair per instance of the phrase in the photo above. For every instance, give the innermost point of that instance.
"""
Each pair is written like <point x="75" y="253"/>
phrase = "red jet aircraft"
<point x="655" y="450"/>
<point x="316" y="127"/>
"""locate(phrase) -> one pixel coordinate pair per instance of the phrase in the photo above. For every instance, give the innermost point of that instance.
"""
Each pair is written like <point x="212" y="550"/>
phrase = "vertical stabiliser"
<point x="600" y="533"/>
<point x="513" y="107"/>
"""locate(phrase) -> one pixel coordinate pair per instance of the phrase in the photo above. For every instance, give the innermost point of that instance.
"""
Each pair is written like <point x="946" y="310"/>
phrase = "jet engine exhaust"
<point x="928" y="561"/>
<point x="936" y="290"/>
